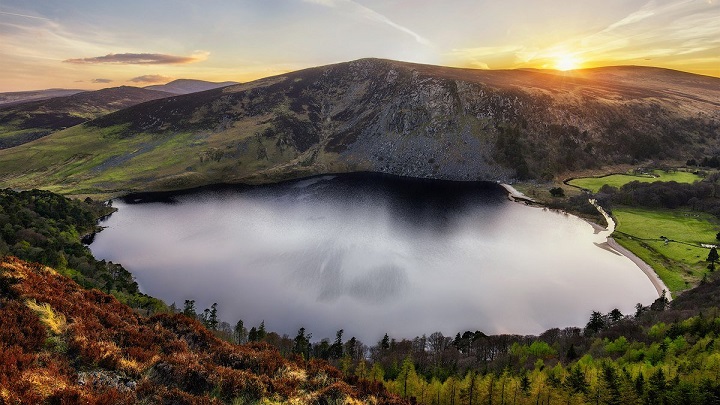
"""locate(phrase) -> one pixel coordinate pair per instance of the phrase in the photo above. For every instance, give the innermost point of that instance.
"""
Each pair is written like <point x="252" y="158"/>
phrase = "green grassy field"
<point x="617" y="180"/>
<point x="679" y="263"/>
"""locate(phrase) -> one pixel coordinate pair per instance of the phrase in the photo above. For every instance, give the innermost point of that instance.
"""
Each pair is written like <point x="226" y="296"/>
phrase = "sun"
<point x="567" y="62"/>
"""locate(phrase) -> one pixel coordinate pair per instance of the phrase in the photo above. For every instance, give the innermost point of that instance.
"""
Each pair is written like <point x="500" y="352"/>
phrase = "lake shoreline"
<point x="610" y="244"/>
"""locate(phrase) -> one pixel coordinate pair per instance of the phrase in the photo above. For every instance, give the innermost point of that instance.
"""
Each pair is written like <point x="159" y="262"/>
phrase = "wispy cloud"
<point x="101" y="80"/>
<point x="24" y="16"/>
<point x="369" y="14"/>
<point x="150" y="79"/>
<point x="139" y="59"/>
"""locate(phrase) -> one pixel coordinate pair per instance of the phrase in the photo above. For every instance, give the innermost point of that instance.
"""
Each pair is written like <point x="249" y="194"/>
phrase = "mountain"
<point x="382" y="116"/>
<point x="17" y="97"/>
<point x="27" y="121"/>
<point x="64" y="344"/>
<point x="186" y="86"/>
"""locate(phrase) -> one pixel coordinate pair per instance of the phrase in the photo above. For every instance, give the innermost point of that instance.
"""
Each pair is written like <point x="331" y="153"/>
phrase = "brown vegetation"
<point x="60" y="343"/>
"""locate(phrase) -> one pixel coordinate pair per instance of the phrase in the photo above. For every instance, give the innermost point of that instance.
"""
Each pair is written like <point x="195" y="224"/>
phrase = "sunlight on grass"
<point x="618" y="180"/>
<point x="680" y="263"/>
<point x="54" y="321"/>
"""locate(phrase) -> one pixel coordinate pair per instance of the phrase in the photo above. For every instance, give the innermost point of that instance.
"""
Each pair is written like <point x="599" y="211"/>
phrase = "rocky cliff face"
<point x="413" y="120"/>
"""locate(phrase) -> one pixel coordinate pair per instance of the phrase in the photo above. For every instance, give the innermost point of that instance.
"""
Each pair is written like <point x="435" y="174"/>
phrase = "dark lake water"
<point x="371" y="255"/>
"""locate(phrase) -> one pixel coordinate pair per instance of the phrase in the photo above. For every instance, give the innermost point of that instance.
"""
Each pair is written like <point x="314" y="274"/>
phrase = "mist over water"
<point x="372" y="254"/>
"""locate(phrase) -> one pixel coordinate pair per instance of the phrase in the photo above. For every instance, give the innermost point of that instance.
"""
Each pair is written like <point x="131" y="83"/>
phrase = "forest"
<point x="43" y="227"/>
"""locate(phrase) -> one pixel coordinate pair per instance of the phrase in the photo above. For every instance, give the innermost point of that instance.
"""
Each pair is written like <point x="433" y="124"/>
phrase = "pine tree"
<point x="595" y="324"/>
<point x="336" y="349"/>
<point x="575" y="381"/>
<point x="189" y="309"/>
<point x="240" y="332"/>
<point x="385" y="342"/>
<point x="261" y="333"/>
<point x="212" y="319"/>
<point x="712" y="258"/>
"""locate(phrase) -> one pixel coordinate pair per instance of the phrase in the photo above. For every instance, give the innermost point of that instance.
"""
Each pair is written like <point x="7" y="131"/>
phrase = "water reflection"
<point x="371" y="254"/>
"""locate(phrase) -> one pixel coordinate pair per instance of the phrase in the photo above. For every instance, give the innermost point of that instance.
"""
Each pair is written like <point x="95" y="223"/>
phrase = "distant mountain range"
<point x="186" y="86"/>
<point x="16" y="97"/>
<point x="382" y="116"/>
<point x="26" y="116"/>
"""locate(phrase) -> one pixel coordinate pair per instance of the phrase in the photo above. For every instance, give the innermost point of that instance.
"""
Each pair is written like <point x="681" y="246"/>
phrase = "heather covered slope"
<point x="382" y="116"/>
<point x="60" y="343"/>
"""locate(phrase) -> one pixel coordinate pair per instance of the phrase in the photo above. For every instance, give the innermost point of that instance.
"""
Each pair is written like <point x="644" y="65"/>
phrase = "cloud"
<point x="150" y="79"/>
<point x="371" y="15"/>
<point x="24" y="16"/>
<point x="101" y="80"/>
<point x="140" y="59"/>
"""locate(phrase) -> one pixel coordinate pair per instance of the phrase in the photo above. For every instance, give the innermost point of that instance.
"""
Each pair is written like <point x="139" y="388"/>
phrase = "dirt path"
<point x="515" y="195"/>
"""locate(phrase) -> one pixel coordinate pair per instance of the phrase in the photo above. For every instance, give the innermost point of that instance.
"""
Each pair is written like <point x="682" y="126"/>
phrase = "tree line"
<point x="43" y="227"/>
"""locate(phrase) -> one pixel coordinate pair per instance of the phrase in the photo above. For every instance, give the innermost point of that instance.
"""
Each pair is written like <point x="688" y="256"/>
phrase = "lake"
<point x="371" y="254"/>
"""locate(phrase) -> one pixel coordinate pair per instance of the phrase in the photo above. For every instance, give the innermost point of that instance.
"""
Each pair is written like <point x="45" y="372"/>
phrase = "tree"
<point x="595" y="324"/>
<point x="575" y="381"/>
<point x="571" y="353"/>
<point x="301" y="343"/>
<point x="661" y="303"/>
<point x="253" y="335"/>
<point x="261" y="333"/>
<point x="712" y="258"/>
<point x="615" y="315"/>
<point x="612" y="382"/>
<point x="211" y="320"/>
<point x="385" y="342"/>
<point x="240" y="332"/>
<point x="407" y="376"/>
<point x="189" y="309"/>
<point x="525" y="384"/>
<point x="557" y="192"/>
<point x="336" y="349"/>
<point x="639" y="309"/>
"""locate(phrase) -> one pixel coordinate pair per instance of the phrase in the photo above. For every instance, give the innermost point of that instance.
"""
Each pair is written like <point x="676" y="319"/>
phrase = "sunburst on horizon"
<point x="567" y="61"/>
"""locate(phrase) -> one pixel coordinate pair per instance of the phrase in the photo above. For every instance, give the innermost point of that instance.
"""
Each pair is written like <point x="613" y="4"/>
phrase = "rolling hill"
<point x="381" y="116"/>
<point x="17" y="97"/>
<point x="27" y="121"/>
<point x="187" y="86"/>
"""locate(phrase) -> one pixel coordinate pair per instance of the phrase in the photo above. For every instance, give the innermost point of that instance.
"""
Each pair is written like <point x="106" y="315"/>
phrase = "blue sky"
<point x="93" y="44"/>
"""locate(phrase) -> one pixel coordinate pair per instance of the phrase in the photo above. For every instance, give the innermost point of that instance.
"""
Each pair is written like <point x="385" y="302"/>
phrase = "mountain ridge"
<point x="385" y="116"/>
<point x="187" y="86"/>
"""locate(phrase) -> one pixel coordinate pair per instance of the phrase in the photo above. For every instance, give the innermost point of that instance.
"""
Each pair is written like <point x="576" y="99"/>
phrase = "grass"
<point x="617" y="180"/>
<point x="53" y="320"/>
<point x="680" y="263"/>
<point x="85" y="160"/>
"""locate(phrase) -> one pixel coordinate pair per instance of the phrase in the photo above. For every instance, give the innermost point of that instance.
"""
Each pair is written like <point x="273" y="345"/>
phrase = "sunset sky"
<point x="94" y="44"/>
